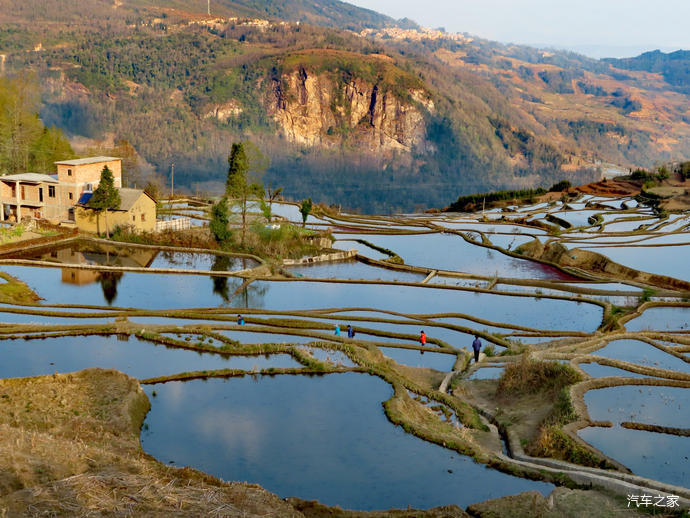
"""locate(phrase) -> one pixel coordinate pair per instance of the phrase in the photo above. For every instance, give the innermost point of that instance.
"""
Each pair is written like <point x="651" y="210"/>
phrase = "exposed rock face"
<point x="316" y="110"/>
<point x="224" y="112"/>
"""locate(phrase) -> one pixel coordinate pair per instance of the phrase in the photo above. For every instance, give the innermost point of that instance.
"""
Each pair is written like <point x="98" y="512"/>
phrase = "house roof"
<point x="128" y="197"/>
<point x="29" y="177"/>
<point x="89" y="160"/>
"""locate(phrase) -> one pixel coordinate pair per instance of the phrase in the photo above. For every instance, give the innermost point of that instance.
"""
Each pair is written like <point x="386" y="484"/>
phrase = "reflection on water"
<point x="323" y="438"/>
<point x="138" y="358"/>
<point x="643" y="404"/>
<point x="653" y="455"/>
<point x="159" y="291"/>
<point x="106" y="254"/>
<point x="642" y="353"/>
<point x="662" y="319"/>
<point x="437" y="361"/>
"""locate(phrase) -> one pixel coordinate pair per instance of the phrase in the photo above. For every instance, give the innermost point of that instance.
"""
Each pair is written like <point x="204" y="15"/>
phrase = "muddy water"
<point x="323" y="438"/>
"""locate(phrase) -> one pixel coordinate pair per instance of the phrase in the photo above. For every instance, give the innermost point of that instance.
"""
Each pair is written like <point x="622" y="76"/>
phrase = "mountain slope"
<point x="674" y="67"/>
<point x="328" y="13"/>
<point x="385" y="119"/>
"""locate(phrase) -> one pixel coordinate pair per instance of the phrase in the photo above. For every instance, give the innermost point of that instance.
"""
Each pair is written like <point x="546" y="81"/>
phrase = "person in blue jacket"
<point x="337" y="330"/>
<point x="476" y="347"/>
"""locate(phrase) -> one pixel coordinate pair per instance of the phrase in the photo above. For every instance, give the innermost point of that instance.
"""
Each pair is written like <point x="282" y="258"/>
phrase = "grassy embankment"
<point x="549" y="381"/>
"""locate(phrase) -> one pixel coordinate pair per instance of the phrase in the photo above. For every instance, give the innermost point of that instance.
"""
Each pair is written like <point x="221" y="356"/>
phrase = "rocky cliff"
<point x="320" y="109"/>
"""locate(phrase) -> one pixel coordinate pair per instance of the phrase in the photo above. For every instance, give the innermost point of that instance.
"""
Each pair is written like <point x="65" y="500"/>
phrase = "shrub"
<point x="533" y="376"/>
<point x="563" y="185"/>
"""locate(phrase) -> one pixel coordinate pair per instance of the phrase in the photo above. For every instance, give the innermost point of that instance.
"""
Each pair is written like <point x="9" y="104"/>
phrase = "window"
<point x="51" y="191"/>
<point x="143" y="217"/>
<point x="134" y="218"/>
<point x="71" y="196"/>
<point x="69" y="172"/>
<point x="23" y="192"/>
<point x="88" y="187"/>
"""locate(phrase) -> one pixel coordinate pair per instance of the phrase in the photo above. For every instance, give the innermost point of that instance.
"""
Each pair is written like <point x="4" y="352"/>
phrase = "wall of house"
<point x="73" y="185"/>
<point x="141" y="217"/>
<point x="89" y="173"/>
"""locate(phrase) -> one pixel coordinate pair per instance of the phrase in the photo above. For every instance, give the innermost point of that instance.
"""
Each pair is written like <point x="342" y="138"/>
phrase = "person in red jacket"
<point x="422" y="338"/>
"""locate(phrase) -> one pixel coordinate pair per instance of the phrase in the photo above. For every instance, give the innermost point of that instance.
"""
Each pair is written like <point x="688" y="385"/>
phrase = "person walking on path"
<point x="422" y="338"/>
<point x="337" y="330"/>
<point x="476" y="347"/>
<point x="240" y="320"/>
<point x="350" y="331"/>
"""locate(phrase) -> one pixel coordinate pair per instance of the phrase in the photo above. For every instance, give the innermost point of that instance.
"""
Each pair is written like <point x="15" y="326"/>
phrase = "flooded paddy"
<point x="453" y="253"/>
<point x="138" y="358"/>
<point x="661" y="318"/>
<point x="327" y="437"/>
<point x="428" y="360"/>
<point x="486" y="373"/>
<point x="665" y="260"/>
<point x="642" y="353"/>
<point x="597" y="370"/>
<point x="323" y="438"/>
<point x="653" y="455"/>
<point x="354" y="270"/>
<point x="106" y="254"/>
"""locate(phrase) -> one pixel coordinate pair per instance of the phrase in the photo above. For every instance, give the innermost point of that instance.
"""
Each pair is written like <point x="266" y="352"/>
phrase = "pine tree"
<point x="245" y="158"/>
<point x="305" y="208"/>
<point x="105" y="196"/>
<point x="219" y="222"/>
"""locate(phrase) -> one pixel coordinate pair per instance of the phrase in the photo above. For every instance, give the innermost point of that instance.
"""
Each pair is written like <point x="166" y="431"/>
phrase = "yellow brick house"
<point x="137" y="211"/>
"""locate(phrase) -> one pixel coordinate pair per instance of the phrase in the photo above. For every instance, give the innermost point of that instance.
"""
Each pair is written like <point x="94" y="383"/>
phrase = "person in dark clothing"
<point x="476" y="347"/>
<point x="240" y="320"/>
<point x="350" y="331"/>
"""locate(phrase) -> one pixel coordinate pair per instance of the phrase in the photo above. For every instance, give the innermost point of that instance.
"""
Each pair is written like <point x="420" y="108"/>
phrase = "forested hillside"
<point x="384" y="116"/>
<point x="674" y="66"/>
<point x="26" y="145"/>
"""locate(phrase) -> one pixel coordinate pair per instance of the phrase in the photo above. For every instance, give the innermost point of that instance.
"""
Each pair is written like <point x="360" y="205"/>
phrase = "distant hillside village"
<point x="63" y="198"/>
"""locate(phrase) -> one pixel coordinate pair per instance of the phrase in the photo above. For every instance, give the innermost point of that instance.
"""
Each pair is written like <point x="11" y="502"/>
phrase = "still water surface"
<point x="323" y="438"/>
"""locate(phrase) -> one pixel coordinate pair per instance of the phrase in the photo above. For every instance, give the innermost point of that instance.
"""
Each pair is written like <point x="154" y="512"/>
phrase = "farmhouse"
<point x="53" y="197"/>
<point x="137" y="210"/>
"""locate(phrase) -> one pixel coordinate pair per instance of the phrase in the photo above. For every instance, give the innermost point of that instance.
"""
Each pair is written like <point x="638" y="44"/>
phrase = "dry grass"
<point x="534" y="376"/>
<point x="14" y="291"/>
<point x="70" y="447"/>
